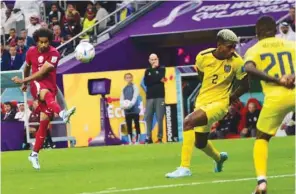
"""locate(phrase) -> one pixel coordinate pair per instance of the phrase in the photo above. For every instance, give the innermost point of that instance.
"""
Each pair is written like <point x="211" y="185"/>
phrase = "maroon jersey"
<point x="37" y="59"/>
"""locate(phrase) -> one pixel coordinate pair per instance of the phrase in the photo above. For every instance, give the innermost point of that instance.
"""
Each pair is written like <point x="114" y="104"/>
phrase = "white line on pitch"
<point x="184" y="184"/>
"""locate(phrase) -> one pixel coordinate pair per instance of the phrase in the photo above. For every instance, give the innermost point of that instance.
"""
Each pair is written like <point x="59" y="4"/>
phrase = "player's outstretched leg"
<point x="196" y="118"/>
<point x="49" y="99"/>
<point x="202" y="143"/>
<point x="260" y="154"/>
<point x="40" y="136"/>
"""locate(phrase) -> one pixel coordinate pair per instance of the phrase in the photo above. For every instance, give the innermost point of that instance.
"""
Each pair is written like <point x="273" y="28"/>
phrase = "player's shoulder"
<point x="32" y="49"/>
<point x="288" y="44"/>
<point x="54" y="51"/>
<point x="206" y="52"/>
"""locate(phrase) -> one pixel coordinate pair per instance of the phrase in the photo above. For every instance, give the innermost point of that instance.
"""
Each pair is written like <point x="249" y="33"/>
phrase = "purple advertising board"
<point x="182" y="16"/>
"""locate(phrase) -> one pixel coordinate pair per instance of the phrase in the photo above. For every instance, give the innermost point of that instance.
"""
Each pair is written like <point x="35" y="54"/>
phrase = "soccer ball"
<point x="126" y="103"/>
<point x="85" y="52"/>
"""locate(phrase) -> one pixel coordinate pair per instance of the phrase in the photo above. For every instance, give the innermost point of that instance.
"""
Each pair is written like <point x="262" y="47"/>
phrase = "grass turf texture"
<point x="78" y="170"/>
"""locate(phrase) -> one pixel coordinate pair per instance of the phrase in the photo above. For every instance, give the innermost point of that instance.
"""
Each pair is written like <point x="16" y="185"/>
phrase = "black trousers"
<point x="129" y="121"/>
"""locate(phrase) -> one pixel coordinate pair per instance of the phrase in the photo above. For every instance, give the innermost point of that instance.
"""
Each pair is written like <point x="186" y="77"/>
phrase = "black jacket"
<point x="152" y="80"/>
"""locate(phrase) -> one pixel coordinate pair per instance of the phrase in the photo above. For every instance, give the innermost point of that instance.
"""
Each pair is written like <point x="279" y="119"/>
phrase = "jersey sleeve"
<point x="198" y="62"/>
<point x="54" y="58"/>
<point x="252" y="56"/>
<point x="240" y="70"/>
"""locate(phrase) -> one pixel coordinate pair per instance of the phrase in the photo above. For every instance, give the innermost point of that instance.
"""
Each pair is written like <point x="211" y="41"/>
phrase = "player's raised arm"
<point x="45" y="69"/>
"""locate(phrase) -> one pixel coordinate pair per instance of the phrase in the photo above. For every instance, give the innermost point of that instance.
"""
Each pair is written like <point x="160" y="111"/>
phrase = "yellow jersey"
<point x="218" y="76"/>
<point x="275" y="57"/>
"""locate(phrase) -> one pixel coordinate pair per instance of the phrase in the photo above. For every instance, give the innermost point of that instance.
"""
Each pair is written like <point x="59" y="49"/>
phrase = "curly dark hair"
<point x="43" y="32"/>
<point x="265" y="27"/>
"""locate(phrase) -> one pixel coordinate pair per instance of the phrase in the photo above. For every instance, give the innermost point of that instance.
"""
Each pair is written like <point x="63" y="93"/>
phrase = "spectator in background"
<point x="55" y="13"/>
<point x="131" y="92"/>
<point x="291" y="20"/>
<point x="9" y="22"/>
<point x="12" y="39"/>
<point x="154" y="80"/>
<point x="73" y="13"/>
<point x="44" y="25"/>
<point x="15" y="62"/>
<point x="288" y="123"/>
<point x="89" y="5"/>
<point x="251" y="121"/>
<point x="21" y="48"/>
<point x="34" y="25"/>
<point x="124" y="13"/>
<point x="71" y="27"/>
<point x="20" y="115"/>
<point x="9" y="112"/>
<point x="28" y="40"/>
<point x="5" y="58"/>
<point x="28" y="8"/>
<point x="87" y="22"/>
<point x="101" y="14"/>
<point x="286" y="32"/>
<point x="57" y="36"/>
<point x="3" y="10"/>
<point x="229" y="124"/>
<point x="53" y="21"/>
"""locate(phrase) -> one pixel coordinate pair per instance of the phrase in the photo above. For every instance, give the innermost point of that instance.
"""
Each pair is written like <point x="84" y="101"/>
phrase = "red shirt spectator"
<point x="57" y="37"/>
<point x="12" y="40"/>
<point x="75" y="15"/>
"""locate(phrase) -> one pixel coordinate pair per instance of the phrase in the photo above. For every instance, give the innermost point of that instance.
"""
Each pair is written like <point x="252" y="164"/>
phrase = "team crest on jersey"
<point x="227" y="68"/>
<point x="40" y="59"/>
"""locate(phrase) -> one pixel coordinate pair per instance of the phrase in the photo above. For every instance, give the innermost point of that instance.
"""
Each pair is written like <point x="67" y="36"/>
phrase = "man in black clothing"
<point x="154" y="80"/>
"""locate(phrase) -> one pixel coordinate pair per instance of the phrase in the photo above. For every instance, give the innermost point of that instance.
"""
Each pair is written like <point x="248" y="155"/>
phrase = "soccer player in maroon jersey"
<point x="43" y="59"/>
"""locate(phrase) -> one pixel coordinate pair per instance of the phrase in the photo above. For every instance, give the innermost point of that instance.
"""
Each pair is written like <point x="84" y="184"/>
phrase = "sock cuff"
<point x="261" y="179"/>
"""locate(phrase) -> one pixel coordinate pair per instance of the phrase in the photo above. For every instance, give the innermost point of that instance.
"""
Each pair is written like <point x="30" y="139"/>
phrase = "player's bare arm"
<point x="45" y="69"/>
<point x="243" y="88"/>
<point x="200" y="75"/>
<point x="251" y="69"/>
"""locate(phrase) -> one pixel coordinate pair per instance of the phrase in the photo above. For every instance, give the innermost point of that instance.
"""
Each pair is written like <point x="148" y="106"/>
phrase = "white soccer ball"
<point x="85" y="52"/>
<point x="126" y="103"/>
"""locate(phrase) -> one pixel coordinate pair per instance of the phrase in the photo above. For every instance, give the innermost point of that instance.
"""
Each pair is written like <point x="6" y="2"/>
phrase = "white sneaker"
<point x="66" y="114"/>
<point x="34" y="160"/>
<point x="180" y="172"/>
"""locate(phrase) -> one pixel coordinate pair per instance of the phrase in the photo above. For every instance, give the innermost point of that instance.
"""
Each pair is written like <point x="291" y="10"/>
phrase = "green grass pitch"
<point x="140" y="170"/>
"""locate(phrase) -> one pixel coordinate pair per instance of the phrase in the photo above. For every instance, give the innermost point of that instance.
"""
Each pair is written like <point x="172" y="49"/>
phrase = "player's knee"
<point x="262" y="135"/>
<point x="43" y="93"/>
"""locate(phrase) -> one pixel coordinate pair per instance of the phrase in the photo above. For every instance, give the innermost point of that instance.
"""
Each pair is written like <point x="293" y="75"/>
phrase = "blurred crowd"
<point x="20" y="21"/>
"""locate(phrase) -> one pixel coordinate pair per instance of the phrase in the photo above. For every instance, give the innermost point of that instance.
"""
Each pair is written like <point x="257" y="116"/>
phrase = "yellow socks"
<point x="260" y="158"/>
<point x="211" y="151"/>
<point x="187" y="148"/>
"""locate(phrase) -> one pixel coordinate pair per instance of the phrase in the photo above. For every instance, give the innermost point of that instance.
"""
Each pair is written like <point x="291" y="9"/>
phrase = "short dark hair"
<point x="43" y="32"/>
<point x="266" y="26"/>
<point x="23" y="29"/>
<point x="20" y="38"/>
<point x="8" y="103"/>
<point x="292" y="7"/>
<point x="12" y="29"/>
<point x="128" y="74"/>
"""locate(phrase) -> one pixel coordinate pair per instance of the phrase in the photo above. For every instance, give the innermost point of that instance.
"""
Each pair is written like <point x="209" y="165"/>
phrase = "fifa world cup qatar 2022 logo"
<point x="178" y="11"/>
